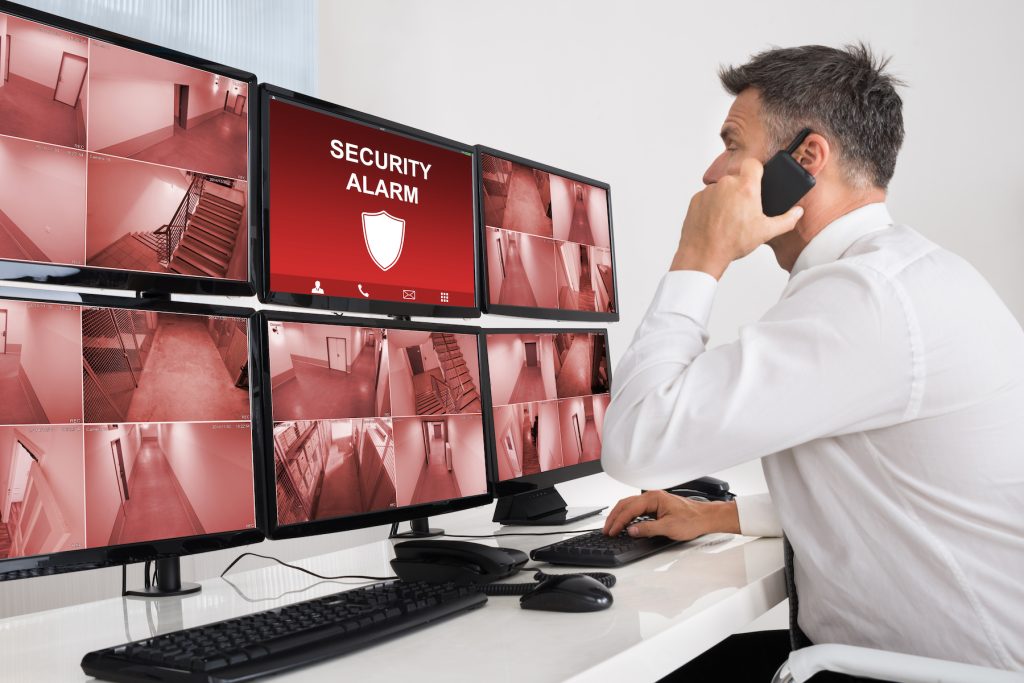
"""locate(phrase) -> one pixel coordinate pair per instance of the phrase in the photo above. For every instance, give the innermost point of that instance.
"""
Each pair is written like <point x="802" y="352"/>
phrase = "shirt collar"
<point x="836" y="237"/>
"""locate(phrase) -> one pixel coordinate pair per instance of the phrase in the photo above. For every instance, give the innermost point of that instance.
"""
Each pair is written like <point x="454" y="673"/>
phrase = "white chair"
<point x="887" y="666"/>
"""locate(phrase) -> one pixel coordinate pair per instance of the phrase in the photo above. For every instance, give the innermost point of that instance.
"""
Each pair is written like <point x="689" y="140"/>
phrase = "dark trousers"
<point x="753" y="657"/>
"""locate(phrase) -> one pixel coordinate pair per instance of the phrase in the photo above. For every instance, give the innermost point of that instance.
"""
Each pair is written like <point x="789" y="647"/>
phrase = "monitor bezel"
<point x="343" y="304"/>
<point x="129" y="553"/>
<point x="265" y="426"/>
<point x="540" y="480"/>
<point x="136" y="280"/>
<point x="555" y="314"/>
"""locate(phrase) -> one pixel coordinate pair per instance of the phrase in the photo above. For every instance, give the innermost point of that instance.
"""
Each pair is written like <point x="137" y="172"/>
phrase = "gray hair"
<point x="845" y="95"/>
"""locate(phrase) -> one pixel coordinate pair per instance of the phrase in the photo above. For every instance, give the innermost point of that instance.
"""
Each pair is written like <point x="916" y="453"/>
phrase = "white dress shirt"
<point x="885" y="391"/>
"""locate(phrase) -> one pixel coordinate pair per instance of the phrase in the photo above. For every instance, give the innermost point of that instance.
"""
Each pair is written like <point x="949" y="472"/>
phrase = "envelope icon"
<point x="409" y="294"/>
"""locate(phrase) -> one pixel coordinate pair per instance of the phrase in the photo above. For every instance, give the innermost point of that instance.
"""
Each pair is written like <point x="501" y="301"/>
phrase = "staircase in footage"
<point x="456" y="393"/>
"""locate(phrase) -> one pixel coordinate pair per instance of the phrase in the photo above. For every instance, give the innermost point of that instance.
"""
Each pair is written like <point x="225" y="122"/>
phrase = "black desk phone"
<point x="458" y="561"/>
<point x="704" y="488"/>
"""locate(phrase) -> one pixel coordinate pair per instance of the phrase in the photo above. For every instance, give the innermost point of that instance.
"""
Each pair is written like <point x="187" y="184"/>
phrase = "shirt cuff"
<point x="758" y="516"/>
<point x="686" y="292"/>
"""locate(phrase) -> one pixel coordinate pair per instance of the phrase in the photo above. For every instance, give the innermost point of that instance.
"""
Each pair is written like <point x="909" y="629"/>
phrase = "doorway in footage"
<point x="328" y="371"/>
<point x="154" y="481"/>
<point x="181" y="117"/>
<point x="333" y="468"/>
<point x="433" y="373"/>
<point x="40" y="376"/>
<point x="41" y="490"/>
<point x="582" y="422"/>
<point x="142" y="366"/>
<point x="45" y="89"/>
<point x="440" y="458"/>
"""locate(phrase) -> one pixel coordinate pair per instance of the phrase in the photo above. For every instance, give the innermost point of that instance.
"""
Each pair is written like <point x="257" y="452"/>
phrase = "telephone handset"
<point x="785" y="181"/>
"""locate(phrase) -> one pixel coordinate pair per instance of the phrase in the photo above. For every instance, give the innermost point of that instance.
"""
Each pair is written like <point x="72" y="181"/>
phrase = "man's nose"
<point x="715" y="171"/>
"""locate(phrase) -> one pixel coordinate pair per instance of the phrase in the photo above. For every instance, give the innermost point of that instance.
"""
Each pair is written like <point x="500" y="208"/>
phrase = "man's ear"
<point x="813" y="154"/>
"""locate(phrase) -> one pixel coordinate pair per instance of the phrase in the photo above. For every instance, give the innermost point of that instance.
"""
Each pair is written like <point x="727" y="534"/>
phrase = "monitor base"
<point x="418" y="528"/>
<point x="559" y="518"/>
<point x="168" y="582"/>
<point x="543" y="507"/>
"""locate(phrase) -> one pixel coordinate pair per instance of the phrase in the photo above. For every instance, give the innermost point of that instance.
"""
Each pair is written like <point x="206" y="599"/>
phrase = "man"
<point x="884" y="391"/>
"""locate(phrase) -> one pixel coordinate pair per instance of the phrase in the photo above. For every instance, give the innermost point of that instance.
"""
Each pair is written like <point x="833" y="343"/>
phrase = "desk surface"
<point x="668" y="608"/>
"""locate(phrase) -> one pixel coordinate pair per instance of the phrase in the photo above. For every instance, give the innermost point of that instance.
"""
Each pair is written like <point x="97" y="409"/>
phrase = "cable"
<point x="540" y="577"/>
<point x="523" y="533"/>
<point x="307" y="571"/>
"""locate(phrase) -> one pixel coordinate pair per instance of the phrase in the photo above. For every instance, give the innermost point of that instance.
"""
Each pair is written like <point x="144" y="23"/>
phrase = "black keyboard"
<point x="285" y="637"/>
<point x="594" y="549"/>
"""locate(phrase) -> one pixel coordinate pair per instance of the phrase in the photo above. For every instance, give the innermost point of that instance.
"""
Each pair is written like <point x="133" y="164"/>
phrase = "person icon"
<point x="317" y="289"/>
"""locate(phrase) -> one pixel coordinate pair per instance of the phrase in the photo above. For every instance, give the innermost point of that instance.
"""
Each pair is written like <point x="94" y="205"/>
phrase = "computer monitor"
<point x="547" y="235"/>
<point x="123" y="165"/>
<point x="369" y="422"/>
<point x="549" y="393"/>
<point x="363" y="214"/>
<point x="125" y="432"/>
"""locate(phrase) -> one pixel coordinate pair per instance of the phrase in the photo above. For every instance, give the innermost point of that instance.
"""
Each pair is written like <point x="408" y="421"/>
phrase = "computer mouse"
<point x="568" y="593"/>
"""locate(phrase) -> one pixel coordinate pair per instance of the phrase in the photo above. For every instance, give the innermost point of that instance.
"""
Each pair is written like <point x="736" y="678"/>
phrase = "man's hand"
<point x="679" y="518"/>
<point x="725" y="222"/>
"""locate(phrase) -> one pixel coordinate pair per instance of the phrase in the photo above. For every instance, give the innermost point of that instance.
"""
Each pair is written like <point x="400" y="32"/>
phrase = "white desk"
<point x="668" y="609"/>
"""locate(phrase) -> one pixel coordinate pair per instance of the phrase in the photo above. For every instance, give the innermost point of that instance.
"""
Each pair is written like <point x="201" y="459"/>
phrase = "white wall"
<point x="549" y="443"/>
<point x="466" y="438"/>
<point x="51" y="357"/>
<point x="42" y="189"/>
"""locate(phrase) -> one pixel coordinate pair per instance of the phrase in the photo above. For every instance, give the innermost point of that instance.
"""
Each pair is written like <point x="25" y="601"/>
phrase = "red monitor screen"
<point x="369" y="419"/>
<point x="116" y="159"/>
<point x="120" y="426"/>
<point x="359" y="212"/>
<point x="549" y="393"/>
<point x="547" y="239"/>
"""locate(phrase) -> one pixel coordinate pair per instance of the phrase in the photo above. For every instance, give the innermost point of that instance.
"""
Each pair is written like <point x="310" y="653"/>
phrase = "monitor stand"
<point x="543" y="507"/>
<point x="418" y="528"/>
<point x="168" y="581"/>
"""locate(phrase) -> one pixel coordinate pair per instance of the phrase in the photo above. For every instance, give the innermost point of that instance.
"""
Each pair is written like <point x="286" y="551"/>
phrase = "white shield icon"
<point x="384" y="235"/>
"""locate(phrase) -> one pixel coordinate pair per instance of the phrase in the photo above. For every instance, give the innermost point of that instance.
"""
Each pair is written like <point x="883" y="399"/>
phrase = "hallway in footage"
<point x="515" y="287"/>
<point x="529" y="386"/>
<point x="586" y="295"/>
<point x="216" y="146"/>
<point x="436" y="482"/>
<point x="574" y="379"/>
<point x="531" y="460"/>
<point x="526" y="210"/>
<point x="579" y="229"/>
<point x="591" y="437"/>
<point x="184" y="376"/>
<point x="340" y="492"/>
<point x="18" y="401"/>
<point x="156" y="505"/>
<point x="30" y="111"/>
<point x="317" y="391"/>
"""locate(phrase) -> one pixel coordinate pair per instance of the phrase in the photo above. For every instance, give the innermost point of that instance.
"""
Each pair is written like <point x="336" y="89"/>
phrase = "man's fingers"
<point x="751" y="170"/>
<point x="624" y="512"/>
<point x="779" y="225"/>
<point x="645" y="529"/>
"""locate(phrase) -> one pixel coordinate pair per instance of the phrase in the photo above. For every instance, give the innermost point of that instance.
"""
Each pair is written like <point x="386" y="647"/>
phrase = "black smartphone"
<point x="785" y="181"/>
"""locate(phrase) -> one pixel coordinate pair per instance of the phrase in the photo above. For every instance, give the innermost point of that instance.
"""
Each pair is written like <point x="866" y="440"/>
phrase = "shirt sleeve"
<point x="834" y="356"/>
<point x="758" y="516"/>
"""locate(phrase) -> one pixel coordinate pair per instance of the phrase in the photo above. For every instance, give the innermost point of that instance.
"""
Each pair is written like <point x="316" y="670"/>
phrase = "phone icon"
<point x="360" y="288"/>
